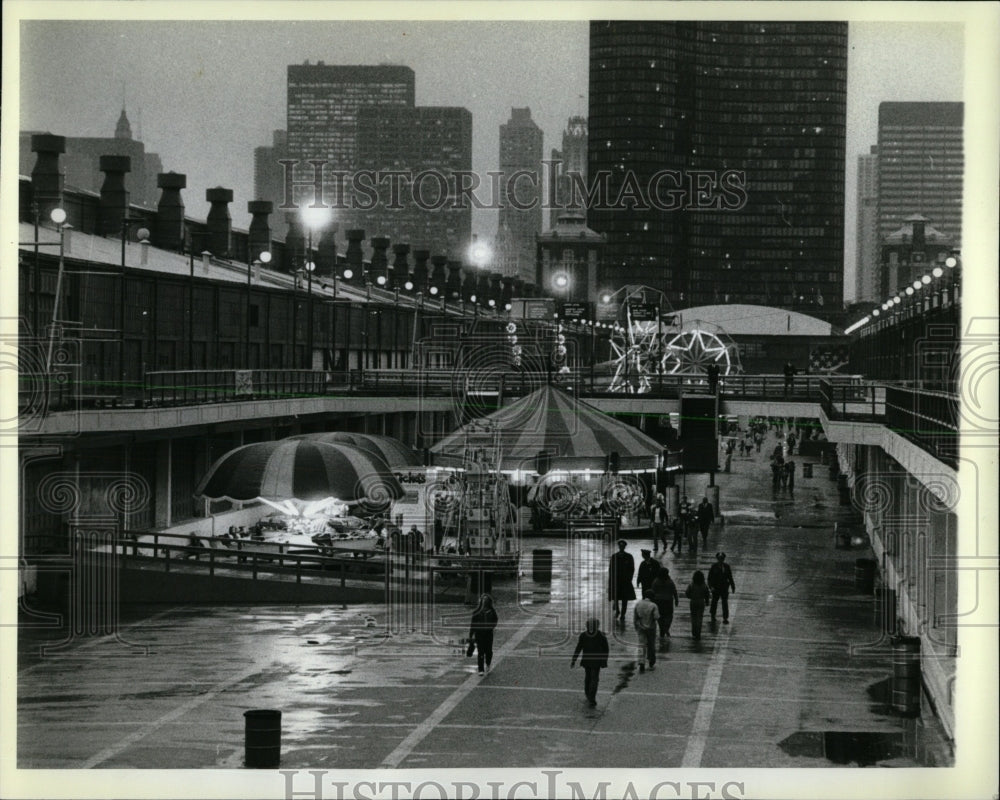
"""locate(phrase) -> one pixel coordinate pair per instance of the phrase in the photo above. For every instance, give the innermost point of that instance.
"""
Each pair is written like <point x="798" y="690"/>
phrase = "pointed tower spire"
<point x="123" y="130"/>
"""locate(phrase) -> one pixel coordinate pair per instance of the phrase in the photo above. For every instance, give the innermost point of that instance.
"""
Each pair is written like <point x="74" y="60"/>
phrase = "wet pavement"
<point x="797" y="679"/>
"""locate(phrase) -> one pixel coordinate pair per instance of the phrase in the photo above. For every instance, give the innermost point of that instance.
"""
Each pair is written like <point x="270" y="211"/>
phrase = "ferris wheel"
<point x="692" y="350"/>
<point x="643" y="349"/>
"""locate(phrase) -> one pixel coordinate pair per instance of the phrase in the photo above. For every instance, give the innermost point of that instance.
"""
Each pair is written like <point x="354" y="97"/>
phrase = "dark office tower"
<point x="867" y="256"/>
<point x="722" y="148"/>
<point x="920" y="166"/>
<point x="428" y="144"/>
<point x="323" y="103"/>
<point x="521" y="195"/>
<point x="269" y="175"/>
<point x="571" y="160"/>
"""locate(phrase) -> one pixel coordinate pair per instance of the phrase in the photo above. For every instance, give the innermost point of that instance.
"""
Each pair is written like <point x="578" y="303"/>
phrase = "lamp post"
<point x="253" y="266"/>
<point x="315" y="218"/>
<point x="58" y="216"/>
<point x="142" y="234"/>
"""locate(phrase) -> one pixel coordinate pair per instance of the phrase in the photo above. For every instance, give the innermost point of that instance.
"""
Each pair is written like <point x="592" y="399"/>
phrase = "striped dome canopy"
<point x="574" y="434"/>
<point x="302" y="470"/>
<point x="396" y="454"/>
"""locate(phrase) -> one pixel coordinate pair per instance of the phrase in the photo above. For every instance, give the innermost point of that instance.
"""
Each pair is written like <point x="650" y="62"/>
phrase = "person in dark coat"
<point x="706" y="516"/>
<point x="697" y="592"/>
<point x="666" y="598"/>
<point x="790" y="373"/>
<point x="484" y="621"/>
<point x="621" y="569"/>
<point x="713" y="377"/>
<point x="720" y="581"/>
<point x="676" y="528"/>
<point x="790" y="474"/>
<point x="649" y="568"/>
<point x="658" y="522"/>
<point x="592" y="648"/>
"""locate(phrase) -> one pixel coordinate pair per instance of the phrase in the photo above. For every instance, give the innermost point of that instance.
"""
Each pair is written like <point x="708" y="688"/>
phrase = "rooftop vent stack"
<point x="169" y="228"/>
<point x="113" y="206"/>
<point x="219" y="222"/>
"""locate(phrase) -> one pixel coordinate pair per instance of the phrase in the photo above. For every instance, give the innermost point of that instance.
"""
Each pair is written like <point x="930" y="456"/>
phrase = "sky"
<point x="204" y="94"/>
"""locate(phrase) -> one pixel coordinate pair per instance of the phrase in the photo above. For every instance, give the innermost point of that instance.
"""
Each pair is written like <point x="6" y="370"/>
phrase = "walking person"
<point x="698" y="594"/>
<point x="758" y="439"/>
<point x="658" y="522"/>
<point x="592" y="648"/>
<point x="720" y="581"/>
<point x="676" y="527"/>
<point x="484" y="622"/>
<point x="644" y="617"/>
<point x="621" y="569"/>
<point x="706" y="516"/>
<point x="649" y="568"/>
<point x="666" y="598"/>
<point x="790" y="475"/>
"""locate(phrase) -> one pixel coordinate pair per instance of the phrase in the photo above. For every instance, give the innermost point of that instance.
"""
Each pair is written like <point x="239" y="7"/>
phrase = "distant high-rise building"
<point x="867" y="257"/>
<point x="521" y="212"/>
<point x="269" y="176"/>
<point x="81" y="162"/>
<point x="721" y="146"/>
<point x="431" y="141"/>
<point x="571" y="160"/>
<point x="920" y="164"/>
<point x="323" y="104"/>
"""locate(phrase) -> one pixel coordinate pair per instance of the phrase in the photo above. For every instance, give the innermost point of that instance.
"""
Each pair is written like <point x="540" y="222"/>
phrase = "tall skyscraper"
<point x="323" y="103"/>
<point x="867" y="257"/>
<point x="721" y="149"/>
<point x="521" y="212"/>
<point x="571" y="160"/>
<point x="920" y="166"/>
<point x="81" y="163"/>
<point x="429" y="144"/>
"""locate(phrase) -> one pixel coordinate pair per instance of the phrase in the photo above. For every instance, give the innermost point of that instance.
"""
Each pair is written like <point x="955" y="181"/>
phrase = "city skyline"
<point x="923" y="61"/>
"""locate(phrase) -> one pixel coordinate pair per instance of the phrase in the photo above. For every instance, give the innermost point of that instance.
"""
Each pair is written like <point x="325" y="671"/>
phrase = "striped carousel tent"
<point x="574" y="435"/>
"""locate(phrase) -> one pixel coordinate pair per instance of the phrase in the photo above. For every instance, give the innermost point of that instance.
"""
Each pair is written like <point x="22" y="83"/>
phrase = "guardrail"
<point x="240" y="555"/>
<point x="852" y="400"/>
<point x="195" y="387"/>
<point x="930" y="419"/>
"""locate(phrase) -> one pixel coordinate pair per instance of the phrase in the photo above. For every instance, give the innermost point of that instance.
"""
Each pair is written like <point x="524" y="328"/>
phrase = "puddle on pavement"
<point x="862" y="748"/>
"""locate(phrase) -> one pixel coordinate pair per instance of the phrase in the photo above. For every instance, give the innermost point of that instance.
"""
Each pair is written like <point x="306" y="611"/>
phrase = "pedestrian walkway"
<point x="801" y="665"/>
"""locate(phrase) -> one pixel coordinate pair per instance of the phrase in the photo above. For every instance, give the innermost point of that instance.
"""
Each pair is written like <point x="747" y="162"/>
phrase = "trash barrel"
<point x="807" y="470"/>
<point x="906" y="675"/>
<point x="864" y="574"/>
<point x="541" y="566"/>
<point x="262" y="739"/>
<point x="841" y="537"/>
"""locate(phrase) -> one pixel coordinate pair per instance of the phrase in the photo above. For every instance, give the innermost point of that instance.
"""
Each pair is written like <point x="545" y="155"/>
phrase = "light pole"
<point x="142" y="233"/>
<point x="58" y="216"/>
<point x="264" y="257"/>
<point x="315" y="218"/>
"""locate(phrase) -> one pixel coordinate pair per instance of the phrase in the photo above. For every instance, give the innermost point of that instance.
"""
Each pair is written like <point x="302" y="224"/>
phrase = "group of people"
<point x="652" y="614"/>
<point x="689" y="521"/>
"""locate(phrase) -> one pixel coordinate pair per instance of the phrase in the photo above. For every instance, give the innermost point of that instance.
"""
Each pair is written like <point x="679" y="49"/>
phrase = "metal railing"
<point x="930" y="419"/>
<point x="852" y="399"/>
<point x="194" y="387"/>
<point x="244" y="556"/>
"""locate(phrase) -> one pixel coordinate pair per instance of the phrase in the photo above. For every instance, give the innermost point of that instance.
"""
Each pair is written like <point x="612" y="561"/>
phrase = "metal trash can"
<point x="807" y="470"/>
<point x="864" y="574"/>
<point x="906" y="675"/>
<point x="541" y="566"/>
<point x="262" y="739"/>
<point x="841" y="537"/>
